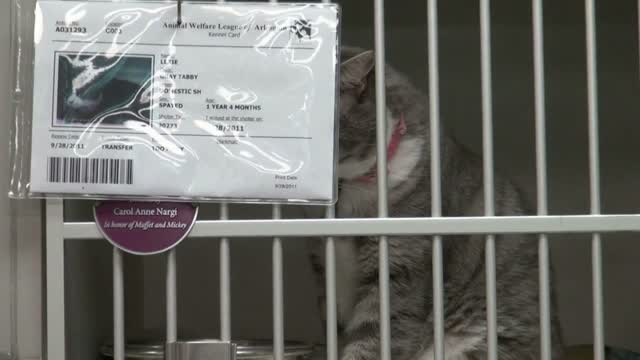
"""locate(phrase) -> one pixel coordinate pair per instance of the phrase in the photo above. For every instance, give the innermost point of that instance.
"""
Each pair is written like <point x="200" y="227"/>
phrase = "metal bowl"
<point x="264" y="350"/>
<point x="245" y="350"/>
<point x="135" y="351"/>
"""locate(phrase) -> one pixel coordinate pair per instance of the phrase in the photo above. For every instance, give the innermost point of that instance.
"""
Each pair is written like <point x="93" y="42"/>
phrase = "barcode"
<point x="90" y="171"/>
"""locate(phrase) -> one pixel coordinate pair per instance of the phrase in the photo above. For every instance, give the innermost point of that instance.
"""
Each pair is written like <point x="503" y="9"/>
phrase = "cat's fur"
<point x="410" y="257"/>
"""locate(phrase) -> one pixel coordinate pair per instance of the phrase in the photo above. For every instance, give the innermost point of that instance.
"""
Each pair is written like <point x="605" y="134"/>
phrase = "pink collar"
<point x="392" y="148"/>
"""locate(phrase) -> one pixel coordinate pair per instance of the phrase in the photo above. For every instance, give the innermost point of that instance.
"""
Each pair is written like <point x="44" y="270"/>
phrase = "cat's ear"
<point x="355" y="71"/>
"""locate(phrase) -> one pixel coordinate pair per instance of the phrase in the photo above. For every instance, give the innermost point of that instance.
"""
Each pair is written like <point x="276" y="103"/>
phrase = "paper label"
<point x="238" y="102"/>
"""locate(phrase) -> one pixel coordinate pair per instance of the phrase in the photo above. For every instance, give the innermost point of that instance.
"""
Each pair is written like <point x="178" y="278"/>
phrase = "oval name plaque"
<point x="145" y="228"/>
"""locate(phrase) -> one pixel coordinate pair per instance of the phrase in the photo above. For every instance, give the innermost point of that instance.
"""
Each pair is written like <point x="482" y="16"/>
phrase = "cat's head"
<point x="357" y="138"/>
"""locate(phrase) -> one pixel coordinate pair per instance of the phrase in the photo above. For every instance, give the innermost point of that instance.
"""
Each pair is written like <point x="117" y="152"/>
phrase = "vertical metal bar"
<point x="225" y="275"/>
<point x="545" y="296"/>
<point x="438" y="295"/>
<point x="487" y="107"/>
<point x="598" y="312"/>
<point x="383" y="210"/>
<point x="381" y="109"/>
<point x="55" y="280"/>
<point x="488" y="169"/>
<point x="225" y="281"/>
<point x="492" y="322"/>
<point x="434" y="108"/>
<point x="541" y="179"/>
<point x="594" y="144"/>
<point x="385" y="317"/>
<point x="330" y="275"/>
<point x="330" y="278"/>
<point x="436" y="191"/>
<point x="278" y="307"/>
<point x="118" y="306"/>
<point x="172" y="298"/>
<point x="594" y="172"/>
<point x="278" y="311"/>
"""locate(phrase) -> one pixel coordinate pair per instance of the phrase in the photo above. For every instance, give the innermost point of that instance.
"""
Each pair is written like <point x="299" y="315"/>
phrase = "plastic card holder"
<point x="209" y="102"/>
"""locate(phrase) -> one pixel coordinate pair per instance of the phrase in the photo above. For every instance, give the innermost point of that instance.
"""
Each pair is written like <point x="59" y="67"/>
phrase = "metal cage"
<point x="57" y="231"/>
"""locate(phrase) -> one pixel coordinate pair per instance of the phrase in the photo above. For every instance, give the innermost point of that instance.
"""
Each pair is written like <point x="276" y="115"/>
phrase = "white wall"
<point x="21" y="220"/>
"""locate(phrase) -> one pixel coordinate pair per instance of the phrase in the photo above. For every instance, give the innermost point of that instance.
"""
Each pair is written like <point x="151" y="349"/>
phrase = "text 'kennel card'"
<point x="237" y="102"/>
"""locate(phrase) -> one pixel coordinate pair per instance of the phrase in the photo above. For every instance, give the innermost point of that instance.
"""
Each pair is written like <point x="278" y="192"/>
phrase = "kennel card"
<point x="237" y="102"/>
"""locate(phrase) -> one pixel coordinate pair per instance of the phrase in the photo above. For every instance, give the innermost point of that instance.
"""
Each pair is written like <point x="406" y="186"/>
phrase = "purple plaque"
<point x="145" y="228"/>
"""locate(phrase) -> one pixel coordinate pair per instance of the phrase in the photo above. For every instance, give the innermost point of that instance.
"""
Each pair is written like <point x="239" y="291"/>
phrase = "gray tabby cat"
<point x="410" y="257"/>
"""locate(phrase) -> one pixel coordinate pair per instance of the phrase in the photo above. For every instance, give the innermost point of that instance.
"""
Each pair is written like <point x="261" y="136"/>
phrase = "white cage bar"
<point x="436" y="191"/>
<point x="488" y="172"/>
<point x="58" y="231"/>
<point x="594" y="175"/>
<point x="225" y="276"/>
<point x="172" y="297"/>
<point x="225" y="281"/>
<point x="278" y="299"/>
<point x="55" y="309"/>
<point x="541" y="178"/>
<point x="118" y="306"/>
<point x="383" y="207"/>
<point x="332" y="308"/>
<point x="551" y="224"/>
<point x="330" y="284"/>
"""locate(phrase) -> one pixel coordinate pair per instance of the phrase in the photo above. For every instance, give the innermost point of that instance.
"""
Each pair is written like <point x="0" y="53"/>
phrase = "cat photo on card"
<point x="102" y="89"/>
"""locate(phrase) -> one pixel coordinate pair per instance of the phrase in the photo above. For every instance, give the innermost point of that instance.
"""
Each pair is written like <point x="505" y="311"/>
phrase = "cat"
<point x="99" y="90"/>
<point x="410" y="257"/>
